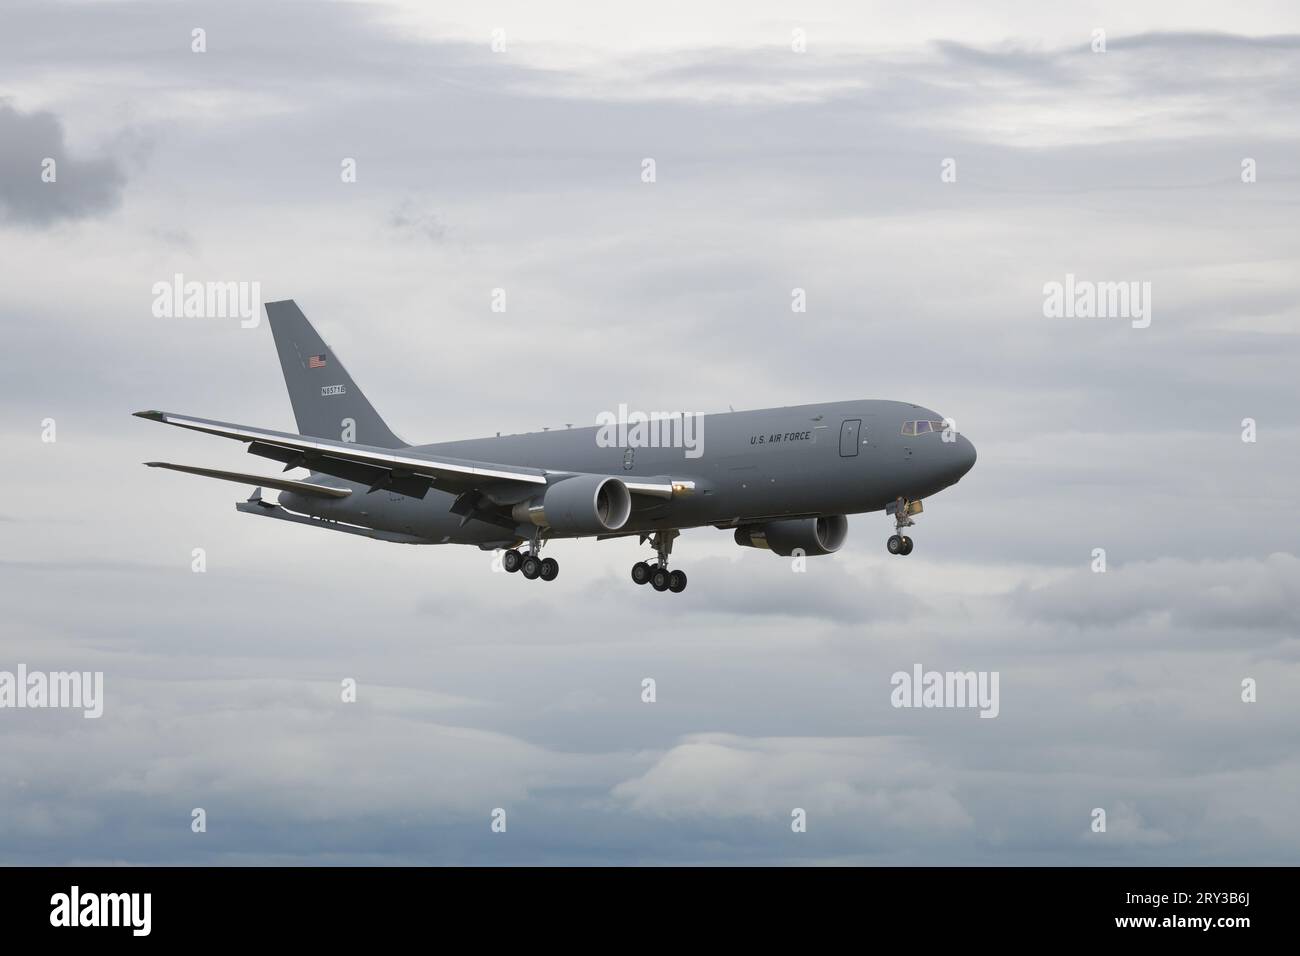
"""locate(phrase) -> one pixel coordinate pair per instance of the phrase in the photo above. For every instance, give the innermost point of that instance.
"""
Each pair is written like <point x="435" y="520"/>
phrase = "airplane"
<point x="781" y="479"/>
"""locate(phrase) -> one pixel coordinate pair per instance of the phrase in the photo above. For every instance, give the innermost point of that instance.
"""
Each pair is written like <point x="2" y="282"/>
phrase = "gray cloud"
<point x="412" y="219"/>
<point x="79" y="188"/>
<point x="1241" y="594"/>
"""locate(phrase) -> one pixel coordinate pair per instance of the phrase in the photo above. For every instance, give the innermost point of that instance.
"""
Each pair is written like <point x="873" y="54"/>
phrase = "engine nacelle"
<point x="583" y="504"/>
<point x="809" y="535"/>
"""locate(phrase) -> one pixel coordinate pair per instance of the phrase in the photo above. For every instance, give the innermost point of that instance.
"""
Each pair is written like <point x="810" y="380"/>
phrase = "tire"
<point x="659" y="579"/>
<point x="907" y="545"/>
<point x="511" y="560"/>
<point x="894" y="544"/>
<point x="531" y="567"/>
<point x="641" y="572"/>
<point x="677" y="582"/>
<point x="550" y="569"/>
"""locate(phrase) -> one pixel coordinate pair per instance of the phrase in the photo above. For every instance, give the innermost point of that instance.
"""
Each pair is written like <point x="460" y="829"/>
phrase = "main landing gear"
<point x="657" y="575"/>
<point x="530" y="564"/>
<point x="903" y="510"/>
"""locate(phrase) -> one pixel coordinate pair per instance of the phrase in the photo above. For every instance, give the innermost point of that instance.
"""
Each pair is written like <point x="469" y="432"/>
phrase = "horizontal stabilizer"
<point x="279" y="484"/>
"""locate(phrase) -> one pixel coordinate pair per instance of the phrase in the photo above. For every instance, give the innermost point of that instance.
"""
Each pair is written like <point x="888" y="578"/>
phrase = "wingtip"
<point x="151" y="414"/>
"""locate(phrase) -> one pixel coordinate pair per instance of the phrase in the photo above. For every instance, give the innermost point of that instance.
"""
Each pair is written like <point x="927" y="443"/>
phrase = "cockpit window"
<point x="921" y="428"/>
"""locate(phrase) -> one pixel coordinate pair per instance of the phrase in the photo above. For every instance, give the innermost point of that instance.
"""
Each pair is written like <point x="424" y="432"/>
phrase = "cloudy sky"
<point x="520" y="168"/>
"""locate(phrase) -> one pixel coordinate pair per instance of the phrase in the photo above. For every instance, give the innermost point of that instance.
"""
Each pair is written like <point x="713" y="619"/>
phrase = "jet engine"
<point x="808" y="535"/>
<point x="583" y="504"/>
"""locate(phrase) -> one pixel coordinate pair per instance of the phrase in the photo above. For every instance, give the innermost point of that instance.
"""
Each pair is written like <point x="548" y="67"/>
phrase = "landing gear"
<point x="530" y="563"/>
<point x="903" y="510"/>
<point x="657" y="575"/>
<point x="899" y="544"/>
<point x="531" y="567"/>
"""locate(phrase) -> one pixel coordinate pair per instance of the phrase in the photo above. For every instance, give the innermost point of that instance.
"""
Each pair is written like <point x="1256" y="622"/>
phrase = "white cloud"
<point x="881" y="783"/>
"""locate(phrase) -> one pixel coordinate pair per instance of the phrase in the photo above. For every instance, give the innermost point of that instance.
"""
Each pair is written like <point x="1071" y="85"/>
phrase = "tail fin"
<point x="326" y="402"/>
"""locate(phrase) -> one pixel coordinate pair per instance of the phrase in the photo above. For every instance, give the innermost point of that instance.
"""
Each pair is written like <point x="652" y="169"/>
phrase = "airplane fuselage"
<point x="835" y="458"/>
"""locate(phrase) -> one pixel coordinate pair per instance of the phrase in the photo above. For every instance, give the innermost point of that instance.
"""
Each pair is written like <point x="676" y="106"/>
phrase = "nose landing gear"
<point x="902" y="510"/>
<point x="899" y="544"/>
<point x="657" y="575"/>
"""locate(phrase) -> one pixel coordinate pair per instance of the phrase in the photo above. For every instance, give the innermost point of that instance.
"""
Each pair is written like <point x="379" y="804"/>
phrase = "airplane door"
<point x="849" y="432"/>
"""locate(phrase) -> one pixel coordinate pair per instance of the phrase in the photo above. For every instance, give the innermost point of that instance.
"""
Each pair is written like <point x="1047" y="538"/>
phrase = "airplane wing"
<point x="404" y="473"/>
<point x="387" y="468"/>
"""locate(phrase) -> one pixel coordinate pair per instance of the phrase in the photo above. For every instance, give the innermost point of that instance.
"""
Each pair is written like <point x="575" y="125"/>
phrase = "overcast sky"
<point x="776" y="169"/>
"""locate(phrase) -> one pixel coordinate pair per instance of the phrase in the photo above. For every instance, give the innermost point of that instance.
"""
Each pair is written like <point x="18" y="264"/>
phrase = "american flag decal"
<point x="316" y="361"/>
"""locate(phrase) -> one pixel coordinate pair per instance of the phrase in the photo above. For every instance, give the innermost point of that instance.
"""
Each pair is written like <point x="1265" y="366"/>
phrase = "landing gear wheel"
<point x="550" y="569"/>
<point x="641" y="572"/>
<point x="659" y="579"/>
<point x="677" y="582"/>
<point x="903" y="510"/>
<point x="511" y="560"/>
<point x="531" y="567"/>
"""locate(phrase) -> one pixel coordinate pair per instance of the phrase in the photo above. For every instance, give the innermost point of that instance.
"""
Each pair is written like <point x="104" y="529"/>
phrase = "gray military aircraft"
<point x="782" y="479"/>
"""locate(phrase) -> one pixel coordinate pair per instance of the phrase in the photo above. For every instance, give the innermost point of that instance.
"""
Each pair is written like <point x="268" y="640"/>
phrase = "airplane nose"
<point x="965" y="455"/>
<point x="960" y="458"/>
